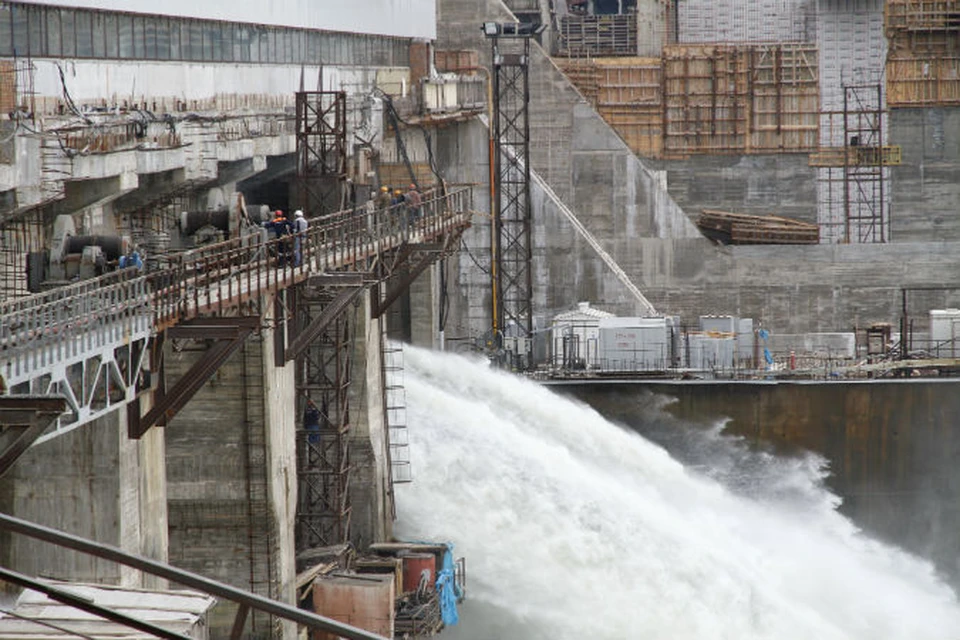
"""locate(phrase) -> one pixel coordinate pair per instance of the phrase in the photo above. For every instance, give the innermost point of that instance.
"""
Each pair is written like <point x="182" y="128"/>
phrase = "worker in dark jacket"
<point x="281" y="229"/>
<point x="414" y="202"/>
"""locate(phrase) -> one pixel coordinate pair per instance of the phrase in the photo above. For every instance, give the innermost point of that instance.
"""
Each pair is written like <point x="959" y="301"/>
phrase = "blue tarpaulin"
<point x="450" y="593"/>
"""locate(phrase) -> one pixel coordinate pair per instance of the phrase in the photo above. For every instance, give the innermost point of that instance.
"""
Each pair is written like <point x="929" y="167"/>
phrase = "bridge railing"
<point x="67" y="322"/>
<point x="213" y="278"/>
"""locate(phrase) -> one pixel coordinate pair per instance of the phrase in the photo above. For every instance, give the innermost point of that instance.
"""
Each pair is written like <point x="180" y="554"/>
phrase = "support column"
<point x="143" y="500"/>
<point x="232" y="477"/>
<point x="280" y="409"/>
<point x="425" y="309"/>
<point x="92" y="482"/>
<point x="370" y="483"/>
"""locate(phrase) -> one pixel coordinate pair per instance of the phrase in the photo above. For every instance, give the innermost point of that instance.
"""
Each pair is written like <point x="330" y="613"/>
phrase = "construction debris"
<point x="741" y="228"/>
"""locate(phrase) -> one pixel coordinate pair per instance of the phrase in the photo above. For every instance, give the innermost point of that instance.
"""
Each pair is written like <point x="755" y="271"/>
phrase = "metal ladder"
<point x="395" y="409"/>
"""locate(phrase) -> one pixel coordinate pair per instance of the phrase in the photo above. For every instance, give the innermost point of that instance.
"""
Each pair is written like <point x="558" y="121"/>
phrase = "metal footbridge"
<point x="74" y="354"/>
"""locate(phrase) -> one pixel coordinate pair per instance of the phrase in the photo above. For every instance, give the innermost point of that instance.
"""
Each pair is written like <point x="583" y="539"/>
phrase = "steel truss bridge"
<point x="74" y="354"/>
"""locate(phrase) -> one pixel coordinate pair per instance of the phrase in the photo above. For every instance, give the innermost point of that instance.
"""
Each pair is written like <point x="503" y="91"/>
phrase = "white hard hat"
<point x="298" y="213"/>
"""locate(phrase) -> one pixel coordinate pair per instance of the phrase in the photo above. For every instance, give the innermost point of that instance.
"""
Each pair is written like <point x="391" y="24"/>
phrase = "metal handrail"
<point x="213" y="278"/>
<point x="244" y="599"/>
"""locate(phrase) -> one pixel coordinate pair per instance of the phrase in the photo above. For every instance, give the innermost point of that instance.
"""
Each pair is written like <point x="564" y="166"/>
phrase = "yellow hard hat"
<point x="397" y="191"/>
<point x="384" y="188"/>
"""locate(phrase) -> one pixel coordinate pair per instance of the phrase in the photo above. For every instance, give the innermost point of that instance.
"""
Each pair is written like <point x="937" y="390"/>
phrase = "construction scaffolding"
<point x="923" y="65"/>
<point x="708" y="99"/>
<point x="323" y="440"/>
<point x="22" y="251"/>
<point x="854" y="177"/>
<point x="321" y="149"/>
<point x="597" y="35"/>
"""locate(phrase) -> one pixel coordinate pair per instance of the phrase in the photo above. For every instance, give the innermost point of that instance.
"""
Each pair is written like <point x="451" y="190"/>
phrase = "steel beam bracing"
<point x="192" y="580"/>
<point x="512" y="253"/>
<point x="22" y="420"/>
<point x="321" y="149"/>
<point x="95" y="342"/>
<point x="323" y="441"/>
<point x="229" y="334"/>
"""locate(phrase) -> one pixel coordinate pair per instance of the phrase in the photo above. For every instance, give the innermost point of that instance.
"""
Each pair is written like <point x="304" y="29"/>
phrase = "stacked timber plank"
<point x="742" y="228"/>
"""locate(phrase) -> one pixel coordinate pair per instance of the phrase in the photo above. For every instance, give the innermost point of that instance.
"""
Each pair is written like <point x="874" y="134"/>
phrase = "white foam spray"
<point x="575" y="528"/>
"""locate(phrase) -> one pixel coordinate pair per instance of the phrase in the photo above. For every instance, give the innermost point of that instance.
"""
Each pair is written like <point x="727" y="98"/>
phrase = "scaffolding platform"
<point x="886" y="156"/>
<point x="741" y="228"/>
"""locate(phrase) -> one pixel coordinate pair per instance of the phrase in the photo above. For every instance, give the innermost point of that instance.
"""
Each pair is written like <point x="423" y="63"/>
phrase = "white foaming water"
<point x="575" y="528"/>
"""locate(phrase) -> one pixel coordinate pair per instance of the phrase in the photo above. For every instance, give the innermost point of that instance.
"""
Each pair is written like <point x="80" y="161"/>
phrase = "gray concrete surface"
<point x="629" y="207"/>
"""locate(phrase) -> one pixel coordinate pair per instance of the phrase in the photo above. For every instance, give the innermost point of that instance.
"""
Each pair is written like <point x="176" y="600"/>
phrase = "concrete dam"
<point x="729" y="227"/>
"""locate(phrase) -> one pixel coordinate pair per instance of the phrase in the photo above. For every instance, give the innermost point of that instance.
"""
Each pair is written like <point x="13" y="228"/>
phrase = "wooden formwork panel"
<point x="740" y="98"/>
<point x="640" y="127"/>
<point x="923" y="82"/>
<point x="583" y="75"/>
<point x="597" y="35"/>
<point x="628" y="81"/>
<point x="8" y="87"/>
<point x="921" y="15"/>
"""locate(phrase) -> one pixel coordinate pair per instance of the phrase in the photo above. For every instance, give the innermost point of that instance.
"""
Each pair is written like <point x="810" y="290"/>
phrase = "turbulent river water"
<point x="574" y="527"/>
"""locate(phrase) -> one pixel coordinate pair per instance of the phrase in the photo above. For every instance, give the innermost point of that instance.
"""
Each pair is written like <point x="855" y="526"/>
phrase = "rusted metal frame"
<point x="778" y="82"/>
<point x="281" y="320"/>
<point x="185" y="578"/>
<point x="84" y="604"/>
<point x="380" y="306"/>
<point x="330" y="312"/>
<point x="239" y="621"/>
<point x="185" y="388"/>
<point x="323" y="511"/>
<point x="30" y="415"/>
<point x="12" y="452"/>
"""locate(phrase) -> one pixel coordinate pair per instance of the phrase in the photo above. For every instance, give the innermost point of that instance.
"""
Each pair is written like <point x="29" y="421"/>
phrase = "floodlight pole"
<point x="511" y="238"/>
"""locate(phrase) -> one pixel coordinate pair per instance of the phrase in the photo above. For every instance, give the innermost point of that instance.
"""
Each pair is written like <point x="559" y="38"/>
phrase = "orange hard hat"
<point x="413" y="186"/>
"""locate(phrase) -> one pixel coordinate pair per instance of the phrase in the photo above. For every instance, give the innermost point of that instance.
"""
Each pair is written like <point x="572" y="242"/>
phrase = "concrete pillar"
<point x="92" y="482"/>
<point x="651" y="27"/>
<point x="231" y="468"/>
<point x="425" y="308"/>
<point x="280" y="412"/>
<point x="370" y="487"/>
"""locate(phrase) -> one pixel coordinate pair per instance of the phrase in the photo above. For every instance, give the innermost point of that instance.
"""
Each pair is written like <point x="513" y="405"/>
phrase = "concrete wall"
<point x="926" y="187"/>
<point x="94" y="483"/>
<point x="231" y="476"/>
<point x="746" y="21"/>
<point x="411" y="18"/>
<point x="624" y="203"/>
<point x="779" y="184"/>
<point x="892" y="445"/>
<point x="370" y="488"/>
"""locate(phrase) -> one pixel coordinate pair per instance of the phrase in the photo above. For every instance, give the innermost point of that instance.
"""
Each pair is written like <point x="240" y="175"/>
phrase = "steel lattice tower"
<point x="512" y="246"/>
<point x="323" y="451"/>
<point x="321" y="149"/>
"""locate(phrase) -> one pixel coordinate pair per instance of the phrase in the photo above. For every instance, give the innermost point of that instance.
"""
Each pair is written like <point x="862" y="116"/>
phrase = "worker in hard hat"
<point x="383" y="197"/>
<point x="300" y="229"/>
<point x="414" y="203"/>
<point x="280" y="227"/>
